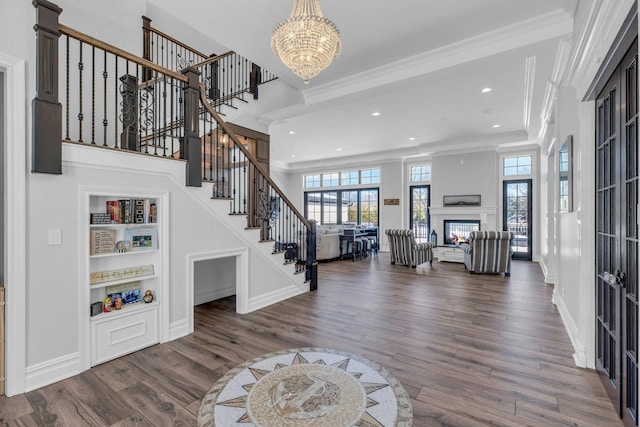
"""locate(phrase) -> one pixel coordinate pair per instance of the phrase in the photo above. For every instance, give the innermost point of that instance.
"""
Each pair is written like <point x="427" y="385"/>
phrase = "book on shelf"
<point x="131" y="211"/>
<point x="102" y="241"/>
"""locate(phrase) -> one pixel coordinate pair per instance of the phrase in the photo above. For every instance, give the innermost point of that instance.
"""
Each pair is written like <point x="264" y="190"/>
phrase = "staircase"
<point x="156" y="106"/>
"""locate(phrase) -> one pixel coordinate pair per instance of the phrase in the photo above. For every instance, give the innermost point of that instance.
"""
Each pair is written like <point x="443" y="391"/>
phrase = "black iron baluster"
<point x="93" y="95"/>
<point x="173" y="124"/>
<point x="105" y="122"/>
<point x="67" y="91"/>
<point x="115" y="103"/>
<point x="142" y="89"/>
<point x="164" y="115"/>
<point x="80" y="115"/>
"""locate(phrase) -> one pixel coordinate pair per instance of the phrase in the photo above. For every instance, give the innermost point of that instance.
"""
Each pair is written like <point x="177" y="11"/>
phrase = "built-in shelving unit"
<point x="124" y="259"/>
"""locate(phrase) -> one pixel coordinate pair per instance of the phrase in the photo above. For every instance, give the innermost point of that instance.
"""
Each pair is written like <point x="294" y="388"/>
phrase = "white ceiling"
<point x="420" y="63"/>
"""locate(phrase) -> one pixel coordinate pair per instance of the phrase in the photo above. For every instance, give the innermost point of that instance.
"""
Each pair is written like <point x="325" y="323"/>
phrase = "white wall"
<point x="570" y="241"/>
<point x="2" y="157"/>
<point x="214" y="279"/>
<point x="465" y="173"/>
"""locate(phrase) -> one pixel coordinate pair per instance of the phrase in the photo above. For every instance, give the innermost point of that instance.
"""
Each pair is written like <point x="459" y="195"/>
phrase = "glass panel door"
<point x="419" y="202"/>
<point x="517" y="216"/>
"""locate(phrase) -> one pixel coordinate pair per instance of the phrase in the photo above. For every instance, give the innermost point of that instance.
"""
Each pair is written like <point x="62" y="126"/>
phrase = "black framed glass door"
<point x="617" y="237"/>
<point x="419" y="202"/>
<point x="516" y="215"/>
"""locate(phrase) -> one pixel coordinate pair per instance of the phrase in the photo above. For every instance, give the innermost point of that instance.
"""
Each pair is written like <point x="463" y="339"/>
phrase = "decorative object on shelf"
<point x="306" y="42"/>
<point x="96" y="308"/>
<point x="148" y="296"/>
<point x="433" y="238"/>
<point x="107" y="305"/>
<point x="129" y="293"/>
<point x="100" y="218"/>
<point x="102" y="242"/>
<point x="120" y="274"/>
<point x="464" y="200"/>
<point x="142" y="238"/>
<point x="123" y="246"/>
<point x="117" y="303"/>
<point x="307" y="386"/>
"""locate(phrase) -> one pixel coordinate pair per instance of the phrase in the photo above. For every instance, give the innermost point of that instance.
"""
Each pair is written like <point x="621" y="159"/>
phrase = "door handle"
<point x="617" y="278"/>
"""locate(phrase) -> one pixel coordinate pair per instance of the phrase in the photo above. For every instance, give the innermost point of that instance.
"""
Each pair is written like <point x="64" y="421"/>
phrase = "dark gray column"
<point x="46" y="110"/>
<point x="191" y="146"/>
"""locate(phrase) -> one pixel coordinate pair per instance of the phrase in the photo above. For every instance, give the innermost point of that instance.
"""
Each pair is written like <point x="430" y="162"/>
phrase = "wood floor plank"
<point x="470" y="350"/>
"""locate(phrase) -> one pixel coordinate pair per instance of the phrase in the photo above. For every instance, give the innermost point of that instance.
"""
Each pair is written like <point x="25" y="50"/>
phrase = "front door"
<point x="516" y="215"/>
<point x="617" y="237"/>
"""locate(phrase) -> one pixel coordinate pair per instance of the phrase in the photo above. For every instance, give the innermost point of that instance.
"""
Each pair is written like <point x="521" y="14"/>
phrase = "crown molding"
<point x="598" y="30"/>
<point x="543" y="27"/>
<point x="529" y="78"/>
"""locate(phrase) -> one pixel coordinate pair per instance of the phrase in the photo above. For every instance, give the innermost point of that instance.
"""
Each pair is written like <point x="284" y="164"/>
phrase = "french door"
<point x="617" y="237"/>
<point x="420" y="200"/>
<point x="516" y="215"/>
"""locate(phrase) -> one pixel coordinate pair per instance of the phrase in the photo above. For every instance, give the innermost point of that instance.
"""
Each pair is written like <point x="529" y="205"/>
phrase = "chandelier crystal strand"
<point x="306" y="42"/>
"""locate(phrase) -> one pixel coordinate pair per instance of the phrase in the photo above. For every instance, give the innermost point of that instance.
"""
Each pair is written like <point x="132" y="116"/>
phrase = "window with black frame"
<point x="347" y="207"/>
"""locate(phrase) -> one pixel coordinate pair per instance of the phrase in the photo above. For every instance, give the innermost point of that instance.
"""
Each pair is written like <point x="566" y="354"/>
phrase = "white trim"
<point x="270" y="298"/>
<point x="580" y="355"/>
<point x="529" y="78"/>
<point x="15" y="169"/>
<point x="242" y="279"/>
<point x="179" y="329"/>
<point x="51" y="371"/>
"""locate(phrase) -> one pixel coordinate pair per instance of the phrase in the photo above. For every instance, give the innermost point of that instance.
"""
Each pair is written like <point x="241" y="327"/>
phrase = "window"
<point x="330" y="179"/>
<point x="356" y="206"/>
<point x="517" y="165"/>
<point x="370" y="176"/>
<point x="344" y="178"/>
<point x="312" y="181"/>
<point x="421" y="173"/>
<point x="350" y="178"/>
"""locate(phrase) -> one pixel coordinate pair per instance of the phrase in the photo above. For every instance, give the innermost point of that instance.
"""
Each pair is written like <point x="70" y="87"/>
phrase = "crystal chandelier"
<point x="306" y="42"/>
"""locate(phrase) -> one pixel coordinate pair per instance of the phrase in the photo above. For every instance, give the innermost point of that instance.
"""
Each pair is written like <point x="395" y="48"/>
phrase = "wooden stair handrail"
<point x="119" y="52"/>
<point x="171" y="39"/>
<point x="241" y="147"/>
<point x="213" y="59"/>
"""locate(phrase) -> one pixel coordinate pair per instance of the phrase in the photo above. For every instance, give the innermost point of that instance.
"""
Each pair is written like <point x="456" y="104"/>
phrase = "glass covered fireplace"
<point x="457" y="231"/>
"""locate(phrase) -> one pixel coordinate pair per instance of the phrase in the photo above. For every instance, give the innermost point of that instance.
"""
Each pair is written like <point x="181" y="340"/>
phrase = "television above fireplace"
<point x="457" y="231"/>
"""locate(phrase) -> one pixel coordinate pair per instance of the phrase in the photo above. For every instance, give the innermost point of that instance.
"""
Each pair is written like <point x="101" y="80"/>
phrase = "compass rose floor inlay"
<point x="307" y="387"/>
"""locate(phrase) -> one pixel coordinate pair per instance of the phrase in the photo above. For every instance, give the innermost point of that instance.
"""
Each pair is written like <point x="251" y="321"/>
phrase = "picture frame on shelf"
<point x="142" y="239"/>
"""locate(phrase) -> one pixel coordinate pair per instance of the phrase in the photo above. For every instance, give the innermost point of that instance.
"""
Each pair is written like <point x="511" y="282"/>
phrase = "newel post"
<point x="146" y="47"/>
<point x="46" y="110"/>
<point x="312" y="265"/>
<point x="191" y="146"/>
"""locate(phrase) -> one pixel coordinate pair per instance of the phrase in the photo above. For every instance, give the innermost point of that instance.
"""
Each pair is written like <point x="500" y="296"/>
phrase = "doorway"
<point x="419" y="220"/>
<point x="517" y="216"/>
<point x="617" y="236"/>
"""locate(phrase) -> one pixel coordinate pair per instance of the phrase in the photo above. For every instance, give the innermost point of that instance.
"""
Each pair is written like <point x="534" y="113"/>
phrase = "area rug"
<point x="307" y="387"/>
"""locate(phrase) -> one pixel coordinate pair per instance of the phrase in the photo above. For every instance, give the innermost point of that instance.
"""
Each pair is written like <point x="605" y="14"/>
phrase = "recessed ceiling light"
<point x="412" y="139"/>
<point x="293" y="155"/>
<point x="376" y="114"/>
<point x="487" y="90"/>
<point x="338" y="149"/>
<point x="496" y="126"/>
<point x="291" y="132"/>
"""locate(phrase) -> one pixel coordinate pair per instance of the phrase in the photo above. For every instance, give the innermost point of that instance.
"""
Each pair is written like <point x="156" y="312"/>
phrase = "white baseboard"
<point x="214" y="294"/>
<point x="580" y="351"/>
<point x="548" y="275"/>
<point x="51" y="371"/>
<point x="178" y="329"/>
<point x="274" y="297"/>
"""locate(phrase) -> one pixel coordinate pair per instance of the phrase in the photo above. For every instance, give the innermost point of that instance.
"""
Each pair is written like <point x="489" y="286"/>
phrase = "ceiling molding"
<point x="543" y="27"/>
<point x="549" y="101"/>
<point x="597" y="32"/>
<point x="529" y="78"/>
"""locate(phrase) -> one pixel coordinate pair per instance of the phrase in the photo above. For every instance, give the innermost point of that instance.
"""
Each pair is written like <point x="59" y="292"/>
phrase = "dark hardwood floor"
<point x="469" y="349"/>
